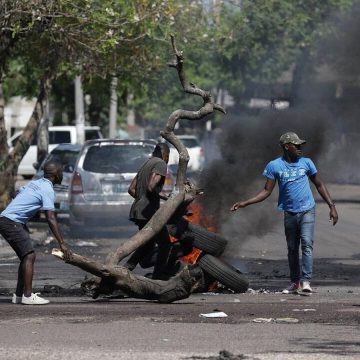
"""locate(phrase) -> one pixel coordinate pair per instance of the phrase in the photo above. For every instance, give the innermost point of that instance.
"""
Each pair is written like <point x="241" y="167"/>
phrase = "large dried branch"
<point x="117" y="277"/>
<point x="155" y="224"/>
<point x="207" y="108"/>
<point x="112" y="276"/>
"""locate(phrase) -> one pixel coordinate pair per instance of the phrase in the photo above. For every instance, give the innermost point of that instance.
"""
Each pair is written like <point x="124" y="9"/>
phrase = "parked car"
<point x="57" y="135"/>
<point x="67" y="155"/>
<point x="98" y="193"/>
<point x="196" y="153"/>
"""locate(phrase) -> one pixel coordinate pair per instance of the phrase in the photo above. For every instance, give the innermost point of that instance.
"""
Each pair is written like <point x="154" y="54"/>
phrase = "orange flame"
<point x="197" y="217"/>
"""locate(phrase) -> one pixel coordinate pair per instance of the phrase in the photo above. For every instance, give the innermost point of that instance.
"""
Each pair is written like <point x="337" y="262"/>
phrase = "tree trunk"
<point x="117" y="277"/>
<point x="300" y="69"/>
<point x="7" y="187"/>
<point x="9" y="162"/>
<point x="113" y="108"/>
<point x="43" y="135"/>
<point x="79" y="110"/>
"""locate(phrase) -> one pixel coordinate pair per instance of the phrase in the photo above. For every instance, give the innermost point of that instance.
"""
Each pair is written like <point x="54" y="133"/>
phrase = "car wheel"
<point x="223" y="272"/>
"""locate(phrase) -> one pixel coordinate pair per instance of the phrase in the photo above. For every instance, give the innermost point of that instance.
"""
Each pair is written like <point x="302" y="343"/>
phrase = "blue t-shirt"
<point x="36" y="195"/>
<point x="293" y="179"/>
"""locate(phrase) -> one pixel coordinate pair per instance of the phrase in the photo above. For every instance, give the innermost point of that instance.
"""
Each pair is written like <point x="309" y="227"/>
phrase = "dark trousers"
<point x="162" y="240"/>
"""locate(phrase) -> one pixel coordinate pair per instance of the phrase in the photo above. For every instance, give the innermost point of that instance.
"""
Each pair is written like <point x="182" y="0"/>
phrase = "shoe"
<point x="293" y="288"/>
<point x="16" y="299"/>
<point x="34" y="299"/>
<point x="306" y="287"/>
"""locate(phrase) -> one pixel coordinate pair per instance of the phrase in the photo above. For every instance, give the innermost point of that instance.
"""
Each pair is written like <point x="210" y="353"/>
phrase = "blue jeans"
<point x="299" y="230"/>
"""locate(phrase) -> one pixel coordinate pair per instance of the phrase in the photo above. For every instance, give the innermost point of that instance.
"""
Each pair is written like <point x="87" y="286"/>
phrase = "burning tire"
<point x="224" y="273"/>
<point x="207" y="241"/>
<point x="199" y="237"/>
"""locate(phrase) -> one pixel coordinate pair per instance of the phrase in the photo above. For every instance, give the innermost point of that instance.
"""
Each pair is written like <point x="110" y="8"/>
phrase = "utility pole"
<point x="113" y="108"/>
<point x="79" y="111"/>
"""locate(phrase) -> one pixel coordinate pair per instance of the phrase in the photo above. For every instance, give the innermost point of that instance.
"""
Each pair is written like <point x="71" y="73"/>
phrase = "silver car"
<point x="67" y="155"/>
<point x="98" y="194"/>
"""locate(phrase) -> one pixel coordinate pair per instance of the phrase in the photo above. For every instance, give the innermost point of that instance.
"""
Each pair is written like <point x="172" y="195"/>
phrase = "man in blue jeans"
<point x="292" y="171"/>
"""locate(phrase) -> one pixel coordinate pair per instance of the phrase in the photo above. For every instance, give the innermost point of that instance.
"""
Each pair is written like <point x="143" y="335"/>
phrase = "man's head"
<point x="291" y="144"/>
<point x="162" y="151"/>
<point x="53" y="171"/>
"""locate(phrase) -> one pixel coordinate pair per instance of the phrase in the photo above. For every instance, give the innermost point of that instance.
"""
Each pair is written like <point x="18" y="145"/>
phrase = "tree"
<point x="68" y="37"/>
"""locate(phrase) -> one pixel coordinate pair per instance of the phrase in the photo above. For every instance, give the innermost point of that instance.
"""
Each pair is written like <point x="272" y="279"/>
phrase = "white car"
<point x="57" y="135"/>
<point x="196" y="153"/>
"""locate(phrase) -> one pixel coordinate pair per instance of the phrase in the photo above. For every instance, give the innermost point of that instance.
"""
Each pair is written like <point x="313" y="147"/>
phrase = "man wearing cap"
<point x="292" y="171"/>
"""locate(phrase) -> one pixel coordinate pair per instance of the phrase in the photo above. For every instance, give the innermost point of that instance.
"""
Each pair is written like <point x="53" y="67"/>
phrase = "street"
<point x="260" y="324"/>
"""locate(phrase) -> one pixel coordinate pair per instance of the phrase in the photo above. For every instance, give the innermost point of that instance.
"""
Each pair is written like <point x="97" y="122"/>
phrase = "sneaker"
<point x="16" y="299"/>
<point x="293" y="288"/>
<point x="34" y="299"/>
<point x="306" y="287"/>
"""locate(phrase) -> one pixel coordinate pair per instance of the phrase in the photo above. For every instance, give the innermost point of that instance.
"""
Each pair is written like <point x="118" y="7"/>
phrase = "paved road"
<point x="77" y="327"/>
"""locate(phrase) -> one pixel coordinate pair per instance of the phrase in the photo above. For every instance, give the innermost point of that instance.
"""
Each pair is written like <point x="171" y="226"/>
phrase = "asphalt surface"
<point x="260" y="324"/>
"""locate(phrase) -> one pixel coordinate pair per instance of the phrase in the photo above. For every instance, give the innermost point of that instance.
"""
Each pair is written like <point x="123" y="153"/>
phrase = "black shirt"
<point x="146" y="203"/>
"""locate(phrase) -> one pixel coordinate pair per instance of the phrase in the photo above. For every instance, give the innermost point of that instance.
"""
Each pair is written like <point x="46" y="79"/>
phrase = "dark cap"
<point x="291" y="138"/>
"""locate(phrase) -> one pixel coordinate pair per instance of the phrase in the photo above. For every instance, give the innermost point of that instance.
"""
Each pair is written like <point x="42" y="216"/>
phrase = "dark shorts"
<point x="17" y="236"/>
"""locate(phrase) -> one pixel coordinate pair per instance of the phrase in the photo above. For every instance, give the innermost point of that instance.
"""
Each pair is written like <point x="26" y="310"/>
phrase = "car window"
<point x="116" y="158"/>
<point x="91" y="134"/>
<point x="65" y="157"/>
<point x="58" y="137"/>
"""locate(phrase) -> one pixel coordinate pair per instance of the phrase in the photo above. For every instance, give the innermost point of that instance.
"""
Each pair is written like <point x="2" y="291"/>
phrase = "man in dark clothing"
<point x="146" y="189"/>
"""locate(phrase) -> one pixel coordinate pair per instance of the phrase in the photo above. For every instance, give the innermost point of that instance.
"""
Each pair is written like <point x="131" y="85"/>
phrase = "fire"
<point x="208" y="222"/>
<point x="197" y="217"/>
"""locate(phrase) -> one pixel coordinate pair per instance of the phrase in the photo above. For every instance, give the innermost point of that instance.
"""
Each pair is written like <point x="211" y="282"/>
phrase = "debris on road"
<point x="217" y="314"/>
<point x="81" y="243"/>
<point x="263" y="320"/>
<point x="276" y="320"/>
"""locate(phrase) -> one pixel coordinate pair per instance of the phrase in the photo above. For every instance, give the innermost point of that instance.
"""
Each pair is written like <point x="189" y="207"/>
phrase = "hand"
<point x="238" y="205"/>
<point x="66" y="251"/>
<point x="333" y="215"/>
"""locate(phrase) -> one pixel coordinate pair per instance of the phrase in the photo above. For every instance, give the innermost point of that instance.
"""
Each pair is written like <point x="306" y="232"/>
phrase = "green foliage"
<point x="233" y="47"/>
<point x="261" y="39"/>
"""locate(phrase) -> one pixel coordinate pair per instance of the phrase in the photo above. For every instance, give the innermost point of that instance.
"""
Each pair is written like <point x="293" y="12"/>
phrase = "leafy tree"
<point x="259" y="40"/>
<point x="47" y="38"/>
<point x="248" y="45"/>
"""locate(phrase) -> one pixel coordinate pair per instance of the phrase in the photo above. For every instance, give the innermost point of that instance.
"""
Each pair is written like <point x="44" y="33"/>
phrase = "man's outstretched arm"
<point x="261" y="196"/>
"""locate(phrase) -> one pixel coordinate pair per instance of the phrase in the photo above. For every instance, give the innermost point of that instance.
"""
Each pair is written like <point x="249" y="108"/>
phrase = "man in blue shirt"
<point x="292" y="173"/>
<point x="38" y="194"/>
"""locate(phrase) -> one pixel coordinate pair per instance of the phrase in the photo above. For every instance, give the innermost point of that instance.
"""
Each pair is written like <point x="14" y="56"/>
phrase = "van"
<point x="57" y="135"/>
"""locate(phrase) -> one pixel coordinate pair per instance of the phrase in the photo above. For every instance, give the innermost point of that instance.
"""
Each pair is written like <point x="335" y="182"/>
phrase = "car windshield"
<point x="65" y="157"/>
<point x="124" y="158"/>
